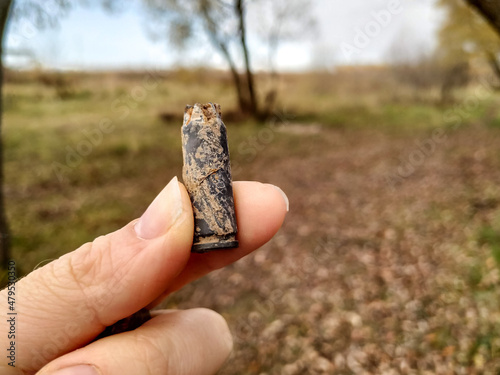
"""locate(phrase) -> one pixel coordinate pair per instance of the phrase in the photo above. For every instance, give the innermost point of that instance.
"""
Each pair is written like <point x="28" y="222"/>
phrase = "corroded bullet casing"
<point x="207" y="176"/>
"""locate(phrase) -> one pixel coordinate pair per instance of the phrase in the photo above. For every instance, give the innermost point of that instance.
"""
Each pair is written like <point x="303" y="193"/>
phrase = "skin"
<point x="64" y="305"/>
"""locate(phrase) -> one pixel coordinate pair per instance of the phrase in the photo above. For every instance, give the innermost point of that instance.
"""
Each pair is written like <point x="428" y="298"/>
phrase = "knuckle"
<point x="89" y="264"/>
<point x="87" y="272"/>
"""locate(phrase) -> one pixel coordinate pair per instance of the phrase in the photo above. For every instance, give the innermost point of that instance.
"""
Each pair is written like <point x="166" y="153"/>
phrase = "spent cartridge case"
<point x="207" y="176"/>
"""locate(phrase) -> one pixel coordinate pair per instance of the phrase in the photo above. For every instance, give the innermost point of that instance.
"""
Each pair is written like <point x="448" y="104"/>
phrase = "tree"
<point x="465" y="35"/>
<point x="5" y="6"/>
<point x="240" y="14"/>
<point x="490" y="10"/>
<point x="224" y="24"/>
<point x="213" y="15"/>
<point x="276" y="22"/>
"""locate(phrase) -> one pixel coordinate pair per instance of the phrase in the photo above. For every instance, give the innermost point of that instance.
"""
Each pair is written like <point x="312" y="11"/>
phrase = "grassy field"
<point x="388" y="262"/>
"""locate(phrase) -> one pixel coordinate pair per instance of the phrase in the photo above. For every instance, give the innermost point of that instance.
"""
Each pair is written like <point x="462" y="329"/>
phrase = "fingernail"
<point x="77" y="370"/>
<point x="161" y="213"/>
<point x="285" y="198"/>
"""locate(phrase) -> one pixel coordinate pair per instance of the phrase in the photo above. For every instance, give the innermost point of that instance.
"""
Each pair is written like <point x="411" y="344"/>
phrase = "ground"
<point x="388" y="261"/>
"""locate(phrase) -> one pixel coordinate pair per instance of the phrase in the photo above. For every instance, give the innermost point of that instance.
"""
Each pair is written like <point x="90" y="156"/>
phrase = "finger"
<point x="191" y="342"/>
<point x="260" y="212"/>
<point x="65" y="304"/>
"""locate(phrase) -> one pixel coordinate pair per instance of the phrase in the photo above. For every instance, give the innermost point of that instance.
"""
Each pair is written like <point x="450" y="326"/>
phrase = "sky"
<point x="346" y="32"/>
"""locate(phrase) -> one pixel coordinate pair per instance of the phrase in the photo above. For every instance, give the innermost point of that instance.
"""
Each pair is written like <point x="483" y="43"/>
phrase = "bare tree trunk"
<point x="222" y="46"/>
<point x="240" y="11"/>
<point x="490" y="10"/>
<point x="242" y="102"/>
<point x="272" y="93"/>
<point x="4" y="228"/>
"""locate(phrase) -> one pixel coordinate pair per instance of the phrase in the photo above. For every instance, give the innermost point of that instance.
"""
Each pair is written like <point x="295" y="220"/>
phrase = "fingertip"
<point x="184" y="228"/>
<point x="217" y="324"/>
<point x="260" y="212"/>
<point x="218" y="321"/>
<point x="284" y="196"/>
<point x="186" y="201"/>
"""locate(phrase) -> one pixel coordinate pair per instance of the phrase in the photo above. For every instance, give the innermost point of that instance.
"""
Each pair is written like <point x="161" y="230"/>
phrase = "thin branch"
<point x="240" y="12"/>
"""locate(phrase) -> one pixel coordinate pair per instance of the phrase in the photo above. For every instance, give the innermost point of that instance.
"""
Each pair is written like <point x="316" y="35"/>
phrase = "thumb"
<point x="65" y="304"/>
<point x="191" y="342"/>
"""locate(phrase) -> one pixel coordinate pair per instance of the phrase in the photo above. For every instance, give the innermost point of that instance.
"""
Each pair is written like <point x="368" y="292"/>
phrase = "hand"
<point x="64" y="305"/>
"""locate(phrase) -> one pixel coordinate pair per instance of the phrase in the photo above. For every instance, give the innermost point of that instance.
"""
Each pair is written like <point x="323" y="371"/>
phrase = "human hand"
<point x="64" y="305"/>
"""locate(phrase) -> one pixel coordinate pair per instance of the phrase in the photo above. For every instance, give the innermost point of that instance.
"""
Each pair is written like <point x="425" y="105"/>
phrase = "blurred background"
<point x="379" y="119"/>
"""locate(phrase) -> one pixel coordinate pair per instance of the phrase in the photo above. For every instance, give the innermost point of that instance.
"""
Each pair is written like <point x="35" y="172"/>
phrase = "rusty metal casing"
<point x="207" y="176"/>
